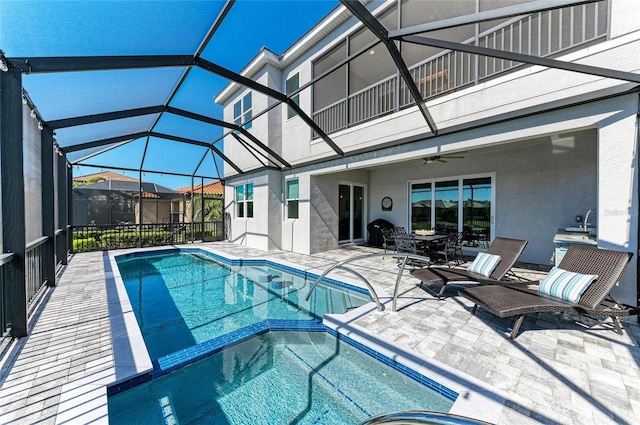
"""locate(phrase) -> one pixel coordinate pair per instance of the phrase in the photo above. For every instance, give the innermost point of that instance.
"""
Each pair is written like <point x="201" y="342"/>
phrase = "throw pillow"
<point x="565" y="284"/>
<point x="484" y="264"/>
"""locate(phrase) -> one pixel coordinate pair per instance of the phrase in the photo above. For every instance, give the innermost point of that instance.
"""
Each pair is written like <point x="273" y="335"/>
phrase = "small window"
<point x="244" y="200"/>
<point x="293" y="84"/>
<point x="242" y="112"/>
<point x="293" y="198"/>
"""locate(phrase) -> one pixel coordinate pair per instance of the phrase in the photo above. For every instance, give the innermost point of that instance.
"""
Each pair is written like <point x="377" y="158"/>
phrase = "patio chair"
<point x="509" y="251"/>
<point x="389" y="240"/>
<point x="451" y="249"/>
<point x="406" y="243"/>
<point x="607" y="266"/>
<point x="400" y="230"/>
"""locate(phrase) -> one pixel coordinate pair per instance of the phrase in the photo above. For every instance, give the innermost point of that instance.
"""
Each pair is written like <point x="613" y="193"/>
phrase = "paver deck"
<point x="556" y="371"/>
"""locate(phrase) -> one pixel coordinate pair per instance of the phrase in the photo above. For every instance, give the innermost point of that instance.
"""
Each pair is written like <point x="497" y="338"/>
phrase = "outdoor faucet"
<point x="586" y="220"/>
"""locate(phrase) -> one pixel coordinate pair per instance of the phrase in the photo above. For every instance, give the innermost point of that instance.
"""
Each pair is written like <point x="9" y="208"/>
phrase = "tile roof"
<point x="107" y="175"/>
<point x="216" y="188"/>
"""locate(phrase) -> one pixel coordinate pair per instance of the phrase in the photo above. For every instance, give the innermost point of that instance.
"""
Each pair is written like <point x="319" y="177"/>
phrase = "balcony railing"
<point x="105" y="237"/>
<point x="542" y="34"/>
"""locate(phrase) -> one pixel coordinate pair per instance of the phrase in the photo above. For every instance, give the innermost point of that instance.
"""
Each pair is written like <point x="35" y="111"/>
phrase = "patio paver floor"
<point x="556" y="371"/>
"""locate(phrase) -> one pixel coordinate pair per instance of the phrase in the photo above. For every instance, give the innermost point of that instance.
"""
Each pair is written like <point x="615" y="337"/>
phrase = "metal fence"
<point x="105" y="237"/>
<point x="62" y="251"/>
<point x="34" y="267"/>
<point x="542" y="34"/>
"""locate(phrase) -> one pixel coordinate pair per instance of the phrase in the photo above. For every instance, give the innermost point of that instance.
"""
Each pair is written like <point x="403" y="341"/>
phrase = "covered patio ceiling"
<point x="145" y="83"/>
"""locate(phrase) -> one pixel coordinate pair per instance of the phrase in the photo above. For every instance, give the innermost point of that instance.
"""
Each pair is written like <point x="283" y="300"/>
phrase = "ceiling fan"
<point x="443" y="158"/>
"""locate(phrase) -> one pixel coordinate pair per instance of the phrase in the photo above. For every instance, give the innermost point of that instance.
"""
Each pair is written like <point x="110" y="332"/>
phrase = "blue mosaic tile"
<point x="128" y="384"/>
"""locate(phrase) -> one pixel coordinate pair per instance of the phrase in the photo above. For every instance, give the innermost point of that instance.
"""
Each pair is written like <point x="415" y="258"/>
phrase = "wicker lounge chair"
<point x="509" y="251"/>
<point x="608" y="265"/>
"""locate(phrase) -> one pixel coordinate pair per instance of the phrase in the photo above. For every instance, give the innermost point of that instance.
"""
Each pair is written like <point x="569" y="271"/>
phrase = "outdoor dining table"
<point x="427" y="241"/>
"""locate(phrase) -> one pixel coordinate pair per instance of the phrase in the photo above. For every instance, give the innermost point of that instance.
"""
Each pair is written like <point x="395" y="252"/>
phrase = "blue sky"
<point x="91" y="28"/>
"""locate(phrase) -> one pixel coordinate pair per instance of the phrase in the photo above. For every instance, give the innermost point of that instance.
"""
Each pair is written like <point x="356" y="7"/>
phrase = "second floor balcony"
<point x="340" y="100"/>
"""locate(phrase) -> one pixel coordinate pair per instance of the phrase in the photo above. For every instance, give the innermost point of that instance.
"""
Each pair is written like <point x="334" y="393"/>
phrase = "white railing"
<point x="332" y="118"/>
<point x="542" y="34"/>
<point x="373" y="101"/>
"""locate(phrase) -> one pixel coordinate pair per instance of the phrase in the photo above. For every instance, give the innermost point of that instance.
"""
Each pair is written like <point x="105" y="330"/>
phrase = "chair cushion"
<point x="484" y="264"/>
<point x="565" y="284"/>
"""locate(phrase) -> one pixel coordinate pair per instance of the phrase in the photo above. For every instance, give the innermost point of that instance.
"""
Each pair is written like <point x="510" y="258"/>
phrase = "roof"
<point x="132" y="188"/>
<point x="215" y="188"/>
<point x="106" y="175"/>
<point x="147" y="195"/>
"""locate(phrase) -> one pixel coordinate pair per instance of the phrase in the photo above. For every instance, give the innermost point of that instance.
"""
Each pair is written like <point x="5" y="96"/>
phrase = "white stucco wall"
<point x="264" y="229"/>
<point x="618" y="187"/>
<point x="266" y="128"/>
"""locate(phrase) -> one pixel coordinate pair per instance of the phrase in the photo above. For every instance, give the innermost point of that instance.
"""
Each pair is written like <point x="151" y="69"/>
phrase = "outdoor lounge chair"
<point x="509" y="251"/>
<point x="608" y="265"/>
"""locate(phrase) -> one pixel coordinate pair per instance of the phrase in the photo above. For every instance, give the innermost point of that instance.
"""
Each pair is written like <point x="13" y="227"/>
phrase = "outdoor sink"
<point x="575" y="229"/>
<point x="579" y="229"/>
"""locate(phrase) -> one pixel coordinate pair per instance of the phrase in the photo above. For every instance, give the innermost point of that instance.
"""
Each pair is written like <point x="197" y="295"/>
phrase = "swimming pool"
<point x="279" y="378"/>
<point x="169" y="374"/>
<point x="185" y="297"/>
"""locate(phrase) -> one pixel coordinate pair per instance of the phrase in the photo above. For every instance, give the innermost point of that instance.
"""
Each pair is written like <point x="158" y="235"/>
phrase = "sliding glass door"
<point x="459" y="204"/>
<point x="351" y="212"/>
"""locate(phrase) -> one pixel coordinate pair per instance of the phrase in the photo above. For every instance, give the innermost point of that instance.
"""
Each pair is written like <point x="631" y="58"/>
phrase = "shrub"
<point x="85" y="245"/>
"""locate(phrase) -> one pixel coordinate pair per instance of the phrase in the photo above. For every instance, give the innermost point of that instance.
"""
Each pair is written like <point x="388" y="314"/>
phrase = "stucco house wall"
<point x="557" y="143"/>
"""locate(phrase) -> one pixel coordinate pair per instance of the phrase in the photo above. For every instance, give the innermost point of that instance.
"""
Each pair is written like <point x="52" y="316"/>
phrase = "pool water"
<point x="181" y="299"/>
<point x="276" y="378"/>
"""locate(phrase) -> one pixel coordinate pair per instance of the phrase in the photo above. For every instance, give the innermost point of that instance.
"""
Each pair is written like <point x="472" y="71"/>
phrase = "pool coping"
<point x="134" y="366"/>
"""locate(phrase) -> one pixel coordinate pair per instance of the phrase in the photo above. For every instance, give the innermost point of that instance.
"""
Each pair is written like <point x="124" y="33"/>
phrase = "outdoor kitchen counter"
<point x="564" y="239"/>
<point x="562" y="236"/>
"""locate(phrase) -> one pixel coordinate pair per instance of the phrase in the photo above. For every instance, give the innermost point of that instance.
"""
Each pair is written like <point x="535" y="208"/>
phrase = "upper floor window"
<point x="244" y="200"/>
<point x="293" y="84"/>
<point x="292" y="194"/>
<point x="242" y="111"/>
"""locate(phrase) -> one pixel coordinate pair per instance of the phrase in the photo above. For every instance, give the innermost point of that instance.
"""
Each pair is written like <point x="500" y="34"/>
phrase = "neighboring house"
<point x="181" y="209"/>
<point x="532" y="147"/>
<point x="102" y="175"/>
<point x="117" y="201"/>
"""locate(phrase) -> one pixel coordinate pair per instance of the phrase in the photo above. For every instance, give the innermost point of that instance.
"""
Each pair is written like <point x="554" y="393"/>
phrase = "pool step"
<point x="327" y="300"/>
<point x="329" y="382"/>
